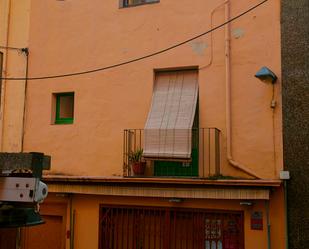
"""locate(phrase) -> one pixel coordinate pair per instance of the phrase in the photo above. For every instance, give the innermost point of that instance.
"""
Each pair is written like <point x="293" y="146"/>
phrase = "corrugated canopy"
<point x="168" y="128"/>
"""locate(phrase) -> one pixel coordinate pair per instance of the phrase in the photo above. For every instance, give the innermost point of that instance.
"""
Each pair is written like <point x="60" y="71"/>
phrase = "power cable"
<point x="139" y="58"/>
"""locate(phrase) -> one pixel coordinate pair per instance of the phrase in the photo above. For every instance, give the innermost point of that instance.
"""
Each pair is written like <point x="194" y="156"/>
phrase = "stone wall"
<point x="295" y="77"/>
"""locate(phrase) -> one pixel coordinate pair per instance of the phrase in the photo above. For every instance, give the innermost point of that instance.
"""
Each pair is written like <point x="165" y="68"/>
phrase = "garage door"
<point x="154" y="228"/>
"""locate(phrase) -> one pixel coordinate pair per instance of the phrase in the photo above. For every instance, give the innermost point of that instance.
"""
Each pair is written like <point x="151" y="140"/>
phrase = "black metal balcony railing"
<point x="204" y="161"/>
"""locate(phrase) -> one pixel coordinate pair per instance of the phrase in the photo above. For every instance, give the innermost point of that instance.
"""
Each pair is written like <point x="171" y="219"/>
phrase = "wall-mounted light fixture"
<point x="266" y="75"/>
<point x="175" y="200"/>
<point x="246" y="203"/>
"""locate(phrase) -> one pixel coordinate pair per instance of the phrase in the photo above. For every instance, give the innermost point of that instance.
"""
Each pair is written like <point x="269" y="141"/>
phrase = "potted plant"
<point x="135" y="158"/>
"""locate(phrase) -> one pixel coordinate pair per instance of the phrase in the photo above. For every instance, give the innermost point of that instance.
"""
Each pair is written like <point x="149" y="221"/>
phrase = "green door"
<point x="182" y="169"/>
<point x="185" y="169"/>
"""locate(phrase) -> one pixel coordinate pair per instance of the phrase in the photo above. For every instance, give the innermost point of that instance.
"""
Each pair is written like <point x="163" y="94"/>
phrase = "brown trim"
<point x="165" y="181"/>
<point x="123" y="6"/>
<point x="176" y="69"/>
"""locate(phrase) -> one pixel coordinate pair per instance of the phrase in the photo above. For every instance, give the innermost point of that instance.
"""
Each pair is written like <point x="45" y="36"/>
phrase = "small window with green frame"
<point x="64" y="108"/>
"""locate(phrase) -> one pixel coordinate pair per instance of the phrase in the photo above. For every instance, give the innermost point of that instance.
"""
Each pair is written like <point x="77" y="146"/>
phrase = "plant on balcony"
<point x="138" y="165"/>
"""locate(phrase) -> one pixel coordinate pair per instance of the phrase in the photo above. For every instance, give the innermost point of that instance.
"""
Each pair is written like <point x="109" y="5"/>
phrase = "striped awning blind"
<point x="168" y="128"/>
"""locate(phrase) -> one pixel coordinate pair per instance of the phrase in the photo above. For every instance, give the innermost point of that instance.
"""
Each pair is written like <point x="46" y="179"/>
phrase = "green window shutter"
<point x="64" y="108"/>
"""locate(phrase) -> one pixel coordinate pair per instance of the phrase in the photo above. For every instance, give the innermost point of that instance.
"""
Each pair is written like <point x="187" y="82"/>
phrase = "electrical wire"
<point x="139" y="58"/>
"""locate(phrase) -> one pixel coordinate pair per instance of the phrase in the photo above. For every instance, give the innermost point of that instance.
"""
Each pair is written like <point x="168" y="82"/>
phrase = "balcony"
<point x="203" y="163"/>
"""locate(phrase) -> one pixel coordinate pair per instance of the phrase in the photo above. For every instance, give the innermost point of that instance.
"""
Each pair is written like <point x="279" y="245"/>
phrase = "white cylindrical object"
<point x="40" y="192"/>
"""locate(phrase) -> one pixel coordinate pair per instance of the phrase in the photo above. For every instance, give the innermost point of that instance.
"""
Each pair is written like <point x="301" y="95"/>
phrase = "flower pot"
<point x="139" y="168"/>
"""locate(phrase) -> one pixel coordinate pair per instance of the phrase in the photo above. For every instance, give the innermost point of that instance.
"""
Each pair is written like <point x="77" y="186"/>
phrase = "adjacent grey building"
<point x="295" y="77"/>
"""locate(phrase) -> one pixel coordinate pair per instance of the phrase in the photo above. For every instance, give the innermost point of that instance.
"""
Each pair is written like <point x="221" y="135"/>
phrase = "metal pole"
<point x="72" y="221"/>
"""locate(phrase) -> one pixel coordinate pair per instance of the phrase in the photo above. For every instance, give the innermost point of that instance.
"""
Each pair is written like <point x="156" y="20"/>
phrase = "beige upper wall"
<point x="69" y="36"/>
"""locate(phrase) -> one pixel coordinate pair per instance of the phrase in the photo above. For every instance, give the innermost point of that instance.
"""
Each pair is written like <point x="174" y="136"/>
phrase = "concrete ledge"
<point x="31" y="161"/>
<point x="162" y="181"/>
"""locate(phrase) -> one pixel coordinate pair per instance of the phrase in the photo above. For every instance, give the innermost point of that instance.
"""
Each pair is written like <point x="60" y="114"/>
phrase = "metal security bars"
<point x="204" y="161"/>
<point x="169" y="228"/>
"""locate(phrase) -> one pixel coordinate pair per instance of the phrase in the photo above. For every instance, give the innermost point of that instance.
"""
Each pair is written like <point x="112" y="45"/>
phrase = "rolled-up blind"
<point x="168" y="128"/>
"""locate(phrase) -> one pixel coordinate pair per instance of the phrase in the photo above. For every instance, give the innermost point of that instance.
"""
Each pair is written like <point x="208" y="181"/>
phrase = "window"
<point x="64" y="108"/>
<point x="171" y="130"/>
<point x="127" y="3"/>
<point x="168" y="128"/>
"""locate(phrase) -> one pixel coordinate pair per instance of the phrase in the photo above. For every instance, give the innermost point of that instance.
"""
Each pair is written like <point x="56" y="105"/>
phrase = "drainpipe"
<point x="228" y="98"/>
<point x="286" y="214"/>
<point x="18" y="239"/>
<point x="72" y="222"/>
<point x="211" y="35"/>
<point x="268" y="225"/>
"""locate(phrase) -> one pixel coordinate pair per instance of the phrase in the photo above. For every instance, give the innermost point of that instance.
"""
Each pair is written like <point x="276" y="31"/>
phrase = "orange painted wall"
<point x="69" y="36"/>
<point x="14" y="32"/>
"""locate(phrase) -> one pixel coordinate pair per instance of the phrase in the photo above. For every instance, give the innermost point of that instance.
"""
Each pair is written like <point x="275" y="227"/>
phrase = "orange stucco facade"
<point x="72" y="36"/>
<point x="110" y="101"/>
